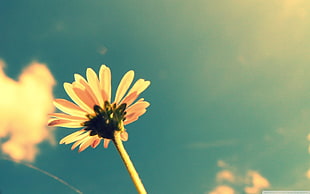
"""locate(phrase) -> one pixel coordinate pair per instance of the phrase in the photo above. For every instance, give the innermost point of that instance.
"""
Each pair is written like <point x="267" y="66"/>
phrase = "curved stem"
<point x="129" y="165"/>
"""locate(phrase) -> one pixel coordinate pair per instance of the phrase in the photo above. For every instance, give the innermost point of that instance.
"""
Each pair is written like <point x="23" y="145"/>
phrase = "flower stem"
<point x="129" y="165"/>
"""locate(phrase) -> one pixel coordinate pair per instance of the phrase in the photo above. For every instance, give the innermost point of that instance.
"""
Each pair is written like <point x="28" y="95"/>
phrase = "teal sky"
<point x="230" y="91"/>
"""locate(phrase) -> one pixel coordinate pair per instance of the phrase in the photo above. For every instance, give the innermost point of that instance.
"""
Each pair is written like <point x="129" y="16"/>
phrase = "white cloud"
<point x="308" y="137"/>
<point x="24" y="105"/>
<point x="230" y="180"/>
<point x="308" y="174"/>
<point x="225" y="175"/>
<point x="223" y="189"/>
<point x="258" y="183"/>
<point x="221" y="163"/>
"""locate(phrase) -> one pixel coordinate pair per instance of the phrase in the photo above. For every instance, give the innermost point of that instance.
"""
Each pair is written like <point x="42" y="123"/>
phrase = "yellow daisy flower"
<point x="93" y="110"/>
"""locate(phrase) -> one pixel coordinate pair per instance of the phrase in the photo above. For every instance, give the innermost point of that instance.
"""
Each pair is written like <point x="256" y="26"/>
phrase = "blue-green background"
<point x="230" y="80"/>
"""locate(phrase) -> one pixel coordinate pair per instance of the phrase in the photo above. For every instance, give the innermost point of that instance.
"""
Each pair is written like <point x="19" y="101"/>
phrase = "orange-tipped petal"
<point x="134" y="116"/>
<point x="74" y="137"/>
<point x="139" y="86"/>
<point x="94" y="84"/>
<point x="138" y="101"/>
<point x="131" y="120"/>
<point x="69" y="108"/>
<point x="64" y="123"/>
<point x="67" y="117"/>
<point x="105" y="82"/>
<point x="81" y="93"/>
<point x="129" y="99"/>
<point x="106" y="143"/>
<point x="124" y="136"/>
<point x="77" y="143"/>
<point x="69" y="89"/>
<point x="137" y="113"/>
<point x="96" y="142"/>
<point x="81" y="80"/>
<point x="89" y="141"/>
<point x="137" y="107"/>
<point x="124" y="85"/>
<point x="78" y="78"/>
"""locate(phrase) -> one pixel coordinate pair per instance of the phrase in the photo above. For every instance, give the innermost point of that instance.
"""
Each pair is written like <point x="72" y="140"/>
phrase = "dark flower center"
<point x="106" y="120"/>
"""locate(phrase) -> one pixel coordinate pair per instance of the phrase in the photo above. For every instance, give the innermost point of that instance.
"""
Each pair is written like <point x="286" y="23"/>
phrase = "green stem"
<point x="129" y="165"/>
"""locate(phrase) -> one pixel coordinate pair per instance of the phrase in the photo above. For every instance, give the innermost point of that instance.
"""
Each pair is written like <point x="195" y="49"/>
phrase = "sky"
<point x="229" y="94"/>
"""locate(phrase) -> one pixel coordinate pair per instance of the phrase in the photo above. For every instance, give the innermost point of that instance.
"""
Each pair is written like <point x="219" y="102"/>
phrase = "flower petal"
<point x="69" y="108"/>
<point x="96" y="142"/>
<point x="105" y="82"/>
<point x="87" y="143"/>
<point x="135" y="91"/>
<point x="84" y="139"/>
<point x="134" y="116"/>
<point x="139" y="86"/>
<point x="94" y="84"/>
<point x="69" y="89"/>
<point x="138" y="101"/>
<point x="137" y="106"/>
<point x="129" y="99"/>
<point x="77" y="137"/>
<point x="124" y="136"/>
<point x="81" y="93"/>
<point x="67" y="117"/>
<point x="80" y="79"/>
<point x="72" y="136"/>
<point x="64" y="123"/>
<point x="106" y="143"/>
<point x="124" y="85"/>
<point x="76" y="144"/>
<point x="136" y="113"/>
<point x="131" y="120"/>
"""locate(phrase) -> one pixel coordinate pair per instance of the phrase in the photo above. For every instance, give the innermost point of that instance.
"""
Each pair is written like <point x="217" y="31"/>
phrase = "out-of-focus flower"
<point x="94" y="111"/>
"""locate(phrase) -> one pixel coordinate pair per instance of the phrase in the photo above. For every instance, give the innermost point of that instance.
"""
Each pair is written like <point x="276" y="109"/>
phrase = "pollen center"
<point x="106" y="120"/>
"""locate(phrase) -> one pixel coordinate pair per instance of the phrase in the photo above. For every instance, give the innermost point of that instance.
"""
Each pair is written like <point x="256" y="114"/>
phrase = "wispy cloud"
<point x="223" y="189"/>
<point x="221" y="163"/>
<point x="225" y="175"/>
<point x="308" y="137"/>
<point x="258" y="183"/>
<point x="293" y="137"/>
<point x="230" y="180"/>
<point x="213" y="144"/>
<point x="308" y="174"/>
<point x="24" y="105"/>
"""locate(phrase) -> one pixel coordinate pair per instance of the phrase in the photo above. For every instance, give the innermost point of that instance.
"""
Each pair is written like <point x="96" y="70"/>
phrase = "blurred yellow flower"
<point x="94" y="110"/>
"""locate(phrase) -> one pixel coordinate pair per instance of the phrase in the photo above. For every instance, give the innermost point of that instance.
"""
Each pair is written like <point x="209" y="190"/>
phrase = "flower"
<point x="94" y="111"/>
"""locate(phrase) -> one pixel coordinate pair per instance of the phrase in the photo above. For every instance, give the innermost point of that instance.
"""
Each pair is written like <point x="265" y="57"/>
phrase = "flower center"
<point x="106" y="120"/>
